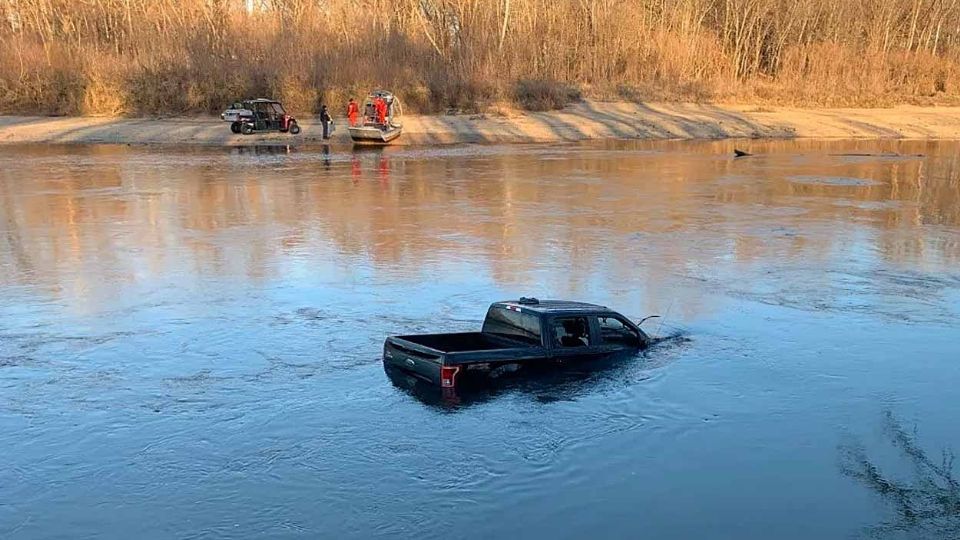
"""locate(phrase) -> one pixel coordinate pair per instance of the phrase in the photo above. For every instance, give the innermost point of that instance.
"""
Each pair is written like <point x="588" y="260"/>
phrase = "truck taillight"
<point x="448" y="376"/>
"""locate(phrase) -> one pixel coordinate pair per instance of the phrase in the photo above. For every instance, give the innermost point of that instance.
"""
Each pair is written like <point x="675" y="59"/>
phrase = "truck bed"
<point x="460" y="342"/>
<point x="428" y="356"/>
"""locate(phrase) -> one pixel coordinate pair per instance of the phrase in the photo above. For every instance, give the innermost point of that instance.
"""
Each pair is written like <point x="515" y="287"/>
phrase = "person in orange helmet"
<point x="353" y="110"/>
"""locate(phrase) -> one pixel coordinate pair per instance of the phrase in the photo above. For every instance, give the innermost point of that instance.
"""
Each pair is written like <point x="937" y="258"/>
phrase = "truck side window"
<point x="614" y="332"/>
<point x="513" y="324"/>
<point x="571" y="332"/>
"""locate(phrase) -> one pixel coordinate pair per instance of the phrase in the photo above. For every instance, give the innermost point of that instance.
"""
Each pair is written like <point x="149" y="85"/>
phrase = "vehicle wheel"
<point x="246" y="129"/>
<point x="235" y="127"/>
<point x="294" y="128"/>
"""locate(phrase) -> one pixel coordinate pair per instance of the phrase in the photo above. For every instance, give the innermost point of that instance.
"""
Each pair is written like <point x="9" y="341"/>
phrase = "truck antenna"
<point x="647" y="318"/>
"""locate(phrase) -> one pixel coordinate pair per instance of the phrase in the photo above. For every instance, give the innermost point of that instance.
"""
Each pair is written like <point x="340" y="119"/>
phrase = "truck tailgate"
<point x="412" y="357"/>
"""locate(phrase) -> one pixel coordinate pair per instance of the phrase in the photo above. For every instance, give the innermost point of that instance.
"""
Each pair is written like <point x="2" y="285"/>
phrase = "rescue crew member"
<point x="370" y="113"/>
<point x="381" y="105"/>
<point x="325" y="121"/>
<point x="352" y="111"/>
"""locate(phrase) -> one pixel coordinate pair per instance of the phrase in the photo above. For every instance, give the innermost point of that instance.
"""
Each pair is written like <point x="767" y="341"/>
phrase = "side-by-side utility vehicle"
<point x="259" y="115"/>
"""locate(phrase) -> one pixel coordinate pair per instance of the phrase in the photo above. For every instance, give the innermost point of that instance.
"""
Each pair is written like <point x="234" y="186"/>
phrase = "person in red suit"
<point x="353" y="110"/>
<point x="381" y="106"/>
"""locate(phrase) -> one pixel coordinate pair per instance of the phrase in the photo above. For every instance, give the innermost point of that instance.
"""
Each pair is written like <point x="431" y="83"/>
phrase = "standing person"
<point x="325" y="121"/>
<point x="381" y="111"/>
<point x="352" y="111"/>
<point x="369" y="112"/>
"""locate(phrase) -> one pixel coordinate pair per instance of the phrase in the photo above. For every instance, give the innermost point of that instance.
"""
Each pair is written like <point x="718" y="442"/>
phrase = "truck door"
<point x="261" y="116"/>
<point x="277" y="118"/>
<point x="571" y="337"/>
<point x="616" y="334"/>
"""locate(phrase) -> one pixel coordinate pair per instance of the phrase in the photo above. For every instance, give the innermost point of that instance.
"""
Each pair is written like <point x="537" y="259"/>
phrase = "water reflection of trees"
<point x="928" y="504"/>
<point x="586" y="215"/>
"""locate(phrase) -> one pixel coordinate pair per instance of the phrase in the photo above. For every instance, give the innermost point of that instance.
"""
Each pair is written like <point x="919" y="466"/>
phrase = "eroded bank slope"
<point x="585" y="120"/>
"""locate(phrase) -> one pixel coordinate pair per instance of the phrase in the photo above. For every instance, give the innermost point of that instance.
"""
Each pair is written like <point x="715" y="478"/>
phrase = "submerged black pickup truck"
<point x="515" y="334"/>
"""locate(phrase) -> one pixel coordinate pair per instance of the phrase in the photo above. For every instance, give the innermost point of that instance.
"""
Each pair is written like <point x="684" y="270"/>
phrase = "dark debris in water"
<point x="928" y="504"/>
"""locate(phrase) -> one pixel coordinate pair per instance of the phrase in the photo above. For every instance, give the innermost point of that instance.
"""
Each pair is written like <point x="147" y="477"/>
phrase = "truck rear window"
<point x="515" y="325"/>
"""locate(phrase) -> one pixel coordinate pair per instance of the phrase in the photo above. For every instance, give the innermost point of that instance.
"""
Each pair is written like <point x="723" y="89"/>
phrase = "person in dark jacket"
<point x="325" y="121"/>
<point x="369" y="113"/>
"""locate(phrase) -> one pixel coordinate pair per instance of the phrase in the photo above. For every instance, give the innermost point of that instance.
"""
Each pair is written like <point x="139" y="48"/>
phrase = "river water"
<point x="190" y="341"/>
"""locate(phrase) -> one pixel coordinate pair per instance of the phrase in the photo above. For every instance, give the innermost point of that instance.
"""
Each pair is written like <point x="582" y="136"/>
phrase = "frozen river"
<point x="190" y="341"/>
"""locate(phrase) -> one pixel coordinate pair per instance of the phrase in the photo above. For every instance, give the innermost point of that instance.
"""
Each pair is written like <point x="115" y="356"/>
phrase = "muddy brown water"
<point x="190" y="341"/>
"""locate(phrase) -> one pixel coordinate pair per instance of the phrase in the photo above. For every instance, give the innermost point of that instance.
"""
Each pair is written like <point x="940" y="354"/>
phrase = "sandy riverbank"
<point x="586" y="120"/>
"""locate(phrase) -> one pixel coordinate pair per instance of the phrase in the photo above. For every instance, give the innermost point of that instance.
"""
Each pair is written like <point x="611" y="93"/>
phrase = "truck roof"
<point x="551" y="306"/>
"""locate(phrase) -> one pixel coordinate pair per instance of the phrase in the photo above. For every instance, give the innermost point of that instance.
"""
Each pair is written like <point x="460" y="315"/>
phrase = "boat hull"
<point x="374" y="134"/>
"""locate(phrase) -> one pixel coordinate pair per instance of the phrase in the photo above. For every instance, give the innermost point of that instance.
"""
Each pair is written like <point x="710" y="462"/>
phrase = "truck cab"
<point x="516" y="334"/>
